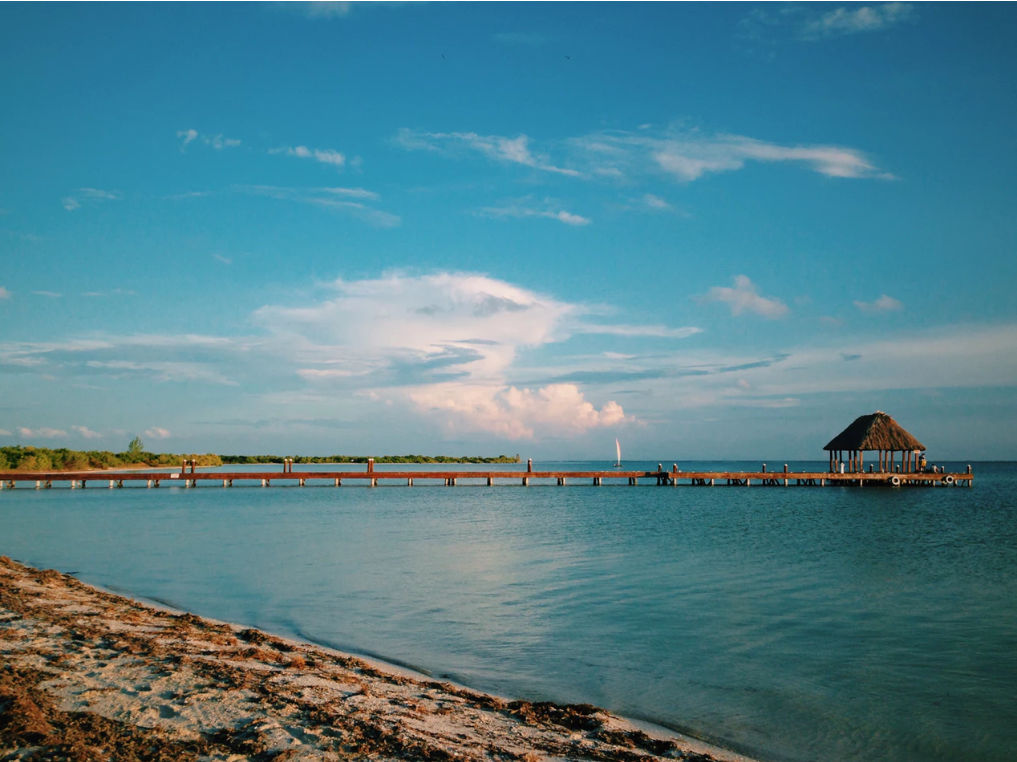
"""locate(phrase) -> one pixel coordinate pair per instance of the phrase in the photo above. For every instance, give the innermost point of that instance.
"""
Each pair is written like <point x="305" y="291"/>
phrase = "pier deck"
<point x="81" y="479"/>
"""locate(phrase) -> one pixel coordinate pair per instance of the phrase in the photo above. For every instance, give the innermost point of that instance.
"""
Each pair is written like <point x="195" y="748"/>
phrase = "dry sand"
<point x="88" y="675"/>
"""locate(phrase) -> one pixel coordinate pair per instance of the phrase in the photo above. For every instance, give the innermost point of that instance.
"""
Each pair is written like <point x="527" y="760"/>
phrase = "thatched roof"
<point x="877" y="431"/>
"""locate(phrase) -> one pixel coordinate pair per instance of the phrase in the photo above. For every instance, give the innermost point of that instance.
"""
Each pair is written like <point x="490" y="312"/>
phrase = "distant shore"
<point x="28" y="459"/>
<point x="83" y="668"/>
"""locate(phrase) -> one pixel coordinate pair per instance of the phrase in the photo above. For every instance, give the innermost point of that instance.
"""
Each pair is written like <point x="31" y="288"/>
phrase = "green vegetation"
<point x="248" y="459"/>
<point x="43" y="459"/>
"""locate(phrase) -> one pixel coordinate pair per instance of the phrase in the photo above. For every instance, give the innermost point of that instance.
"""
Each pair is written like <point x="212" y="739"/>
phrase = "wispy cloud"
<point x="777" y="24"/>
<point x="689" y="155"/>
<point x="868" y="18"/>
<point x="221" y="258"/>
<point x="521" y="211"/>
<point x="349" y="200"/>
<point x="86" y="432"/>
<point x="4" y="293"/>
<point x="883" y="304"/>
<point x="50" y="294"/>
<point x="522" y="38"/>
<point x="322" y="155"/>
<point x="634" y="155"/>
<point x="157" y="432"/>
<point x="89" y="196"/>
<point x="744" y="297"/>
<point x="503" y="150"/>
<point x="43" y="433"/>
<point x="319" y="9"/>
<point x="218" y="142"/>
<point x="656" y="203"/>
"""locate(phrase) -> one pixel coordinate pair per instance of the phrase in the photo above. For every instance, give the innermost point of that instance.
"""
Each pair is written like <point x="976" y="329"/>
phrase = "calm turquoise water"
<point x="789" y="624"/>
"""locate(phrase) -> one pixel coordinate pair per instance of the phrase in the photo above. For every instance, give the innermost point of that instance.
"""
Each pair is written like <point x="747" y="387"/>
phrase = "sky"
<point x="711" y="231"/>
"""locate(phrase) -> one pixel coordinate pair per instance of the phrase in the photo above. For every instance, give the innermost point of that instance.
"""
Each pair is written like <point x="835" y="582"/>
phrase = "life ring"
<point x="895" y="481"/>
<point x="947" y="480"/>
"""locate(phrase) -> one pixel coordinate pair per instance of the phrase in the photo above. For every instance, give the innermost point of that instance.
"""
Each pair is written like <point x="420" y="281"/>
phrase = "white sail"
<point x="617" y="447"/>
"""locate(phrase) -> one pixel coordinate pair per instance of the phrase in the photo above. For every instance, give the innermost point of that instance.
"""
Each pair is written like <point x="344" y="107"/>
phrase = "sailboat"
<point x="617" y="447"/>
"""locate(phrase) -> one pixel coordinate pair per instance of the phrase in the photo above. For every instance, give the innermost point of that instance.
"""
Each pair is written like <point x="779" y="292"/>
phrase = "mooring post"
<point x="785" y="471"/>
<point x="338" y="482"/>
<point x="370" y="465"/>
<point x="764" y="468"/>
<point x="529" y="464"/>
<point x="374" y="482"/>
<point x="38" y="485"/>
<point x="526" y="480"/>
<point x="148" y="483"/>
<point x="409" y="482"/>
<point x="490" y="481"/>
<point x="300" y="482"/>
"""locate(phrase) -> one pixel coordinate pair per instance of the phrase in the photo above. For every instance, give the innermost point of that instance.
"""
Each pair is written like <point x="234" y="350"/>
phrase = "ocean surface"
<point x="807" y="623"/>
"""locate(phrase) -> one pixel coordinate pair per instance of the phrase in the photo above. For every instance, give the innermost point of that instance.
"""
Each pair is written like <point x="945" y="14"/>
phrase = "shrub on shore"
<point x="43" y="459"/>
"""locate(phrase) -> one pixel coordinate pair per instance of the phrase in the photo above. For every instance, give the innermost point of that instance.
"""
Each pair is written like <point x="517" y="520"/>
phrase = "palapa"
<point x="876" y="431"/>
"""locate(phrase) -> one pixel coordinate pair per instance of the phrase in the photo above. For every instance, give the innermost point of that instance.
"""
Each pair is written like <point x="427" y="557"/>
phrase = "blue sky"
<point x="709" y="230"/>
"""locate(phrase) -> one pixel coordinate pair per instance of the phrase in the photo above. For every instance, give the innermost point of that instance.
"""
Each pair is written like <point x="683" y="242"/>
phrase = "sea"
<point x="798" y="623"/>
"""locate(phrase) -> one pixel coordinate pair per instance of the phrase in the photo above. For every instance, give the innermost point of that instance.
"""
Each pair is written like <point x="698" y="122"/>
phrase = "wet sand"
<point x="89" y="675"/>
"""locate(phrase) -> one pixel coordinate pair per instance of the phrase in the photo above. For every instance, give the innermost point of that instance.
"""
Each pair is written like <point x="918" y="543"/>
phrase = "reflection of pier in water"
<point x="371" y="477"/>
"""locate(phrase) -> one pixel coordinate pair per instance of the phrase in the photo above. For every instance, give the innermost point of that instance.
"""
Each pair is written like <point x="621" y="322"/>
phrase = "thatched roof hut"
<point x="876" y="432"/>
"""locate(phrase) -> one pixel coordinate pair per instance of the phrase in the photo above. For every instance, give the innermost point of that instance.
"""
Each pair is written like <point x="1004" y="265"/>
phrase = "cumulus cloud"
<point x="883" y="304"/>
<point x="447" y="345"/>
<point x="322" y="155"/>
<point x="498" y="148"/>
<point x="89" y="196"/>
<point x="656" y="203"/>
<point x="772" y="25"/>
<point x="86" y="432"/>
<point x="43" y="433"/>
<point x="218" y="142"/>
<point x="744" y="297"/>
<point x="157" y="432"/>
<point x="555" y="410"/>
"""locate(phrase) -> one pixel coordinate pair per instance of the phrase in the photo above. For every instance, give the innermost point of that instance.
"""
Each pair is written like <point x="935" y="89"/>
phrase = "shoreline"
<point x="84" y="668"/>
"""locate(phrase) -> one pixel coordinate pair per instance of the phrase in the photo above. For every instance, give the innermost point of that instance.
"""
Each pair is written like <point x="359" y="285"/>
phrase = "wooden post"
<point x="300" y="482"/>
<point x="529" y="464"/>
<point x="370" y="465"/>
<point x="374" y="482"/>
<point x="409" y="482"/>
<point x="338" y="482"/>
<point x="526" y="480"/>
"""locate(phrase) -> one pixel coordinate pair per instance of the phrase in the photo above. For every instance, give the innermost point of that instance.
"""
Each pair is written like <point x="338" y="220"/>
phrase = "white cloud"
<point x="43" y="433"/>
<point x="656" y="202"/>
<point x="330" y="198"/>
<point x="744" y="297"/>
<point x="4" y="293"/>
<point x="521" y="211"/>
<point x="446" y="344"/>
<point x="218" y="142"/>
<point x="496" y="147"/>
<point x="50" y="294"/>
<point x="868" y="18"/>
<point x="163" y="370"/>
<point x="559" y="410"/>
<point x="321" y="9"/>
<point x="5" y="433"/>
<point x="86" y="432"/>
<point x="323" y="155"/>
<point x="157" y="432"/>
<point x="89" y="195"/>
<point x="221" y="258"/>
<point x="688" y="156"/>
<point x="883" y="304"/>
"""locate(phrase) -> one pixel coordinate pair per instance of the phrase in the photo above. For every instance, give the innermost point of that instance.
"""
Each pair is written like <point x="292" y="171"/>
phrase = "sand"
<point x="88" y="675"/>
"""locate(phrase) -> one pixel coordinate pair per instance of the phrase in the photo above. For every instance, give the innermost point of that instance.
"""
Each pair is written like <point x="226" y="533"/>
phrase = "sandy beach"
<point x="89" y="675"/>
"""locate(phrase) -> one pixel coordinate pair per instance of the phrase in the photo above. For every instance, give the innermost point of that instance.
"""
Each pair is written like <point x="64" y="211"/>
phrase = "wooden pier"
<point x="371" y="477"/>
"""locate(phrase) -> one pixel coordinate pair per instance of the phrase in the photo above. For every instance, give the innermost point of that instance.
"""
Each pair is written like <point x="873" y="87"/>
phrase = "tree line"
<point x="19" y="458"/>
